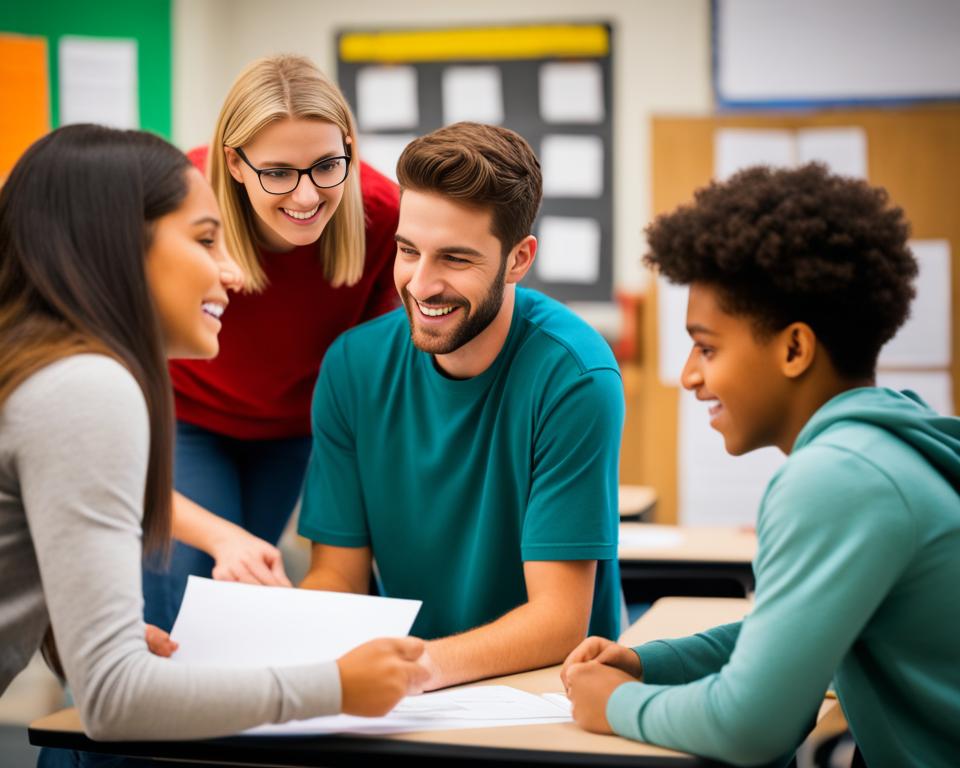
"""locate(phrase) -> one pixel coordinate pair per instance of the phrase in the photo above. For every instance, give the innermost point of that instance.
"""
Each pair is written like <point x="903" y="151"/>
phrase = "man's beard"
<point x="475" y="322"/>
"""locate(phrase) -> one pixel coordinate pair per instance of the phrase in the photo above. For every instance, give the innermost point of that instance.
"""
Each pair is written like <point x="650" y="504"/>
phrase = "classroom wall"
<point x="661" y="64"/>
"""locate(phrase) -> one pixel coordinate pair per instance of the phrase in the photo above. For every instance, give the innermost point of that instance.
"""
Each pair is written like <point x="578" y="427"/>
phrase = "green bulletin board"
<point x="146" y="21"/>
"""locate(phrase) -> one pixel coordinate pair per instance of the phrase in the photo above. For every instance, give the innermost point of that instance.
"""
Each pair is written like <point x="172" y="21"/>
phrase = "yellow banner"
<point x="533" y="42"/>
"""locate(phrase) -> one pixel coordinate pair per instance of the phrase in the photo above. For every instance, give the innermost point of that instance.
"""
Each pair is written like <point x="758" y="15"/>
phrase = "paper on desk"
<point x="226" y="624"/>
<point x="482" y="706"/>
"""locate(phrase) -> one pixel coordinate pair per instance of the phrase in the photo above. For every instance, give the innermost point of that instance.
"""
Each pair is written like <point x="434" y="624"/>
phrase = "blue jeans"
<point x="253" y="483"/>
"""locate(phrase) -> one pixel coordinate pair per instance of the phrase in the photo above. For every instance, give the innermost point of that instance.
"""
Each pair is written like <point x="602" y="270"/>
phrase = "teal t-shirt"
<point x="857" y="572"/>
<point x="454" y="484"/>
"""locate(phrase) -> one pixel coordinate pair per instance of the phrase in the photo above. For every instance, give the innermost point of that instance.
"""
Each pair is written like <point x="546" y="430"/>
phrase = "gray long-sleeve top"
<point x="74" y="445"/>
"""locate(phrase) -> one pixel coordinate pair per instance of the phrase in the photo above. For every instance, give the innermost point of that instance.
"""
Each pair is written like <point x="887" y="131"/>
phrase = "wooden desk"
<point x="555" y="744"/>
<point x="659" y="560"/>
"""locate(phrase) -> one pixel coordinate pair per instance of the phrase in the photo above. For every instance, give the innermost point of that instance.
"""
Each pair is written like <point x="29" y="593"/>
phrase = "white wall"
<point x="661" y="64"/>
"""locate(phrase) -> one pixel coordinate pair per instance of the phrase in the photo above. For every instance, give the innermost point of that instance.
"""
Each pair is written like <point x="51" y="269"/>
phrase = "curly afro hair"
<point x="797" y="245"/>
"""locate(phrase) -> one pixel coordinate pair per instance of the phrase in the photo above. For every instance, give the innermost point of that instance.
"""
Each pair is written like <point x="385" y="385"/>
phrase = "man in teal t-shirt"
<point x="797" y="279"/>
<point x="469" y="442"/>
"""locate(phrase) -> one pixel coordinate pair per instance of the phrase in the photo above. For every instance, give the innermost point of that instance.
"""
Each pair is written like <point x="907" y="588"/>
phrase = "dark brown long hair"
<point x="76" y="216"/>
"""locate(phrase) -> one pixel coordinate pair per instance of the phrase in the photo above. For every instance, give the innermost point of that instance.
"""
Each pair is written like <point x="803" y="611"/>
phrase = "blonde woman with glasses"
<point x="313" y="229"/>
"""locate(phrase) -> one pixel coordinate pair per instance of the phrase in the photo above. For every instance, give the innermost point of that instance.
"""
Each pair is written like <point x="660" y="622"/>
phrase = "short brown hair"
<point x="483" y="166"/>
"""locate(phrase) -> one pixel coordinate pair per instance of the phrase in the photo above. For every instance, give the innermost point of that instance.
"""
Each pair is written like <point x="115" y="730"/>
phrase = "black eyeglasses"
<point x="326" y="173"/>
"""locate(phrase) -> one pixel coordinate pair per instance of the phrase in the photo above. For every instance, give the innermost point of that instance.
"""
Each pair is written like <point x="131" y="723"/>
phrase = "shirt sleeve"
<point x="674" y="662"/>
<point x="834" y="535"/>
<point x="572" y="511"/>
<point x="82" y="454"/>
<point x="332" y="511"/>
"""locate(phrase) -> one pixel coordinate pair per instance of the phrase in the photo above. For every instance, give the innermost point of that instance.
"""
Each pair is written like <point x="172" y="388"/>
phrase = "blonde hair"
<point x="277" y="88"/>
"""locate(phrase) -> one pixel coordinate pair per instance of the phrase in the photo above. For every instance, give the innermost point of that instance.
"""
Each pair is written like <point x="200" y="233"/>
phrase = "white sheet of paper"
<point x="738" y="148"/>
<point x="382" y="151"/>
<point x="472" y="93"/>
<point x="715" y="488"/>
<point x="844" y="150"/>
<point x="925" y="339"/>
<point x="572" y="166"/>
<point x="482" y="706"/>
<point x="651" y="539"/>
<point x="98" y="81"/>
<point x="672" y="337"/>
<point x="568" y="250"/>
<point x="571" y="92"/>
<point x="935" y="387"/>
<point x="387" y="98"/>
<point x="227" y="624"/>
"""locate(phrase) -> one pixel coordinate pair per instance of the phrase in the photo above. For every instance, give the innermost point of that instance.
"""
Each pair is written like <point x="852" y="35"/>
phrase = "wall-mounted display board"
<point x="781" y="53"/>
<point x="25" y="92"/>
<point x="550" y="83"/>
<point x="108" y="61"/>
<point x="915" y="154"/>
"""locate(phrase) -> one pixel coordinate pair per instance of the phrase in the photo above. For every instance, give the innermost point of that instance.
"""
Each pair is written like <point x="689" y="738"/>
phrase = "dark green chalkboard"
<point x="146" y="21"/>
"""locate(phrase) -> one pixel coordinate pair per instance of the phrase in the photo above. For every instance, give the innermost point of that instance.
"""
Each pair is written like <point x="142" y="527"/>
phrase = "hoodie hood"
<point x="904" y="414"/>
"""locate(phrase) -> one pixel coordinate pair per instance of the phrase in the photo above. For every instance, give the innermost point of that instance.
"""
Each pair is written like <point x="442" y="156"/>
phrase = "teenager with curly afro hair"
<point x="797" y="279"/>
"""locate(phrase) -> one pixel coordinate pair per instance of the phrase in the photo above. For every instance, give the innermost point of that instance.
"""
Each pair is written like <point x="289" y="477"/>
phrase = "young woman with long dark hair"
<point x="111" y="260"/>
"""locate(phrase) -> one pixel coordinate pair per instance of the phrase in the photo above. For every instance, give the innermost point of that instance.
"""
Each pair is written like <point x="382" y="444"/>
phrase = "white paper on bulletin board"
<point x="738" y="148"/>
<point x="925" y="339"/>
<point x="472" y="93"/>
<point x="843" y="150"/>
<point x="934" y="387"/>
<point x="568" y="250"/>
<point x="98" y="81"/>
<point x="572" y="166"/>
<point x="571" y="92"/>
<point x="387" y="98"/>
<point x="383" y="150"/>
<point x="673" y="340"/>
<point x="716" y="488"/>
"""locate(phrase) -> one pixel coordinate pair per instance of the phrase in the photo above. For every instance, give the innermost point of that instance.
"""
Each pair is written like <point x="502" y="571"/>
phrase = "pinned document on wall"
<point x="673" y="340"/>
<point x="387" y="98"/>
<point x="98" y="81"/>
<point x="550" y="82"/>
<point x="842" y="149"/>
<point x="572" y="166"/>
<point x="25" y="92"/>
<point x="382" y="151"/>
<point x="715" y="488"/>
<point x="925" y="339"/>
<point x="474" y="94"/>
<point x="571" y="92"/>
<point x="935" y="388"/>
<point x="568" y="249"/>
<point x="739" y="148"/>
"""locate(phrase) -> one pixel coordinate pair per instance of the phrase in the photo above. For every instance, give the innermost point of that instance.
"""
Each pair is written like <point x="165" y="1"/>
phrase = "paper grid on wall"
<point x="550" y="83"/>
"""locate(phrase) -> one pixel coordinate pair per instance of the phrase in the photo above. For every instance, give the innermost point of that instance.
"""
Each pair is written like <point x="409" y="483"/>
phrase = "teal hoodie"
<point x="857" y="581"/>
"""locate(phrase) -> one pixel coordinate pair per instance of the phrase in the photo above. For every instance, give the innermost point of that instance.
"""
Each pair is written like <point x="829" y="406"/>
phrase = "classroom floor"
<point x="15" y="751"/>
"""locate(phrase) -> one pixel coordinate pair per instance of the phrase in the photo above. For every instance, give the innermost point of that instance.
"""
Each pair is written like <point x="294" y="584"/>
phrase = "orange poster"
<point x="24" y="94"/>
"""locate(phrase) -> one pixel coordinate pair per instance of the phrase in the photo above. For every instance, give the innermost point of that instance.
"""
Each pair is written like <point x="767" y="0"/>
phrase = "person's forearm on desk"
<point x="536" y="634"/>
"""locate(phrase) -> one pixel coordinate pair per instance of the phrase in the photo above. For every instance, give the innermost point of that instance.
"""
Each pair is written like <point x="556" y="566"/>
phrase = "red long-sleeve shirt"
<point x="272" y="343"/>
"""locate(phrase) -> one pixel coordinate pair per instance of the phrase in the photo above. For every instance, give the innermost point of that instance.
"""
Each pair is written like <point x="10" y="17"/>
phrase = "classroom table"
<point x="554" y="744"/>
<point x="661" y="560"/>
